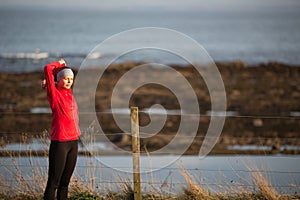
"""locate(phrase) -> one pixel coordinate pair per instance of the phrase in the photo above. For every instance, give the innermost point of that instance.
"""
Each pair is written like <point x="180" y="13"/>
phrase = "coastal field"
<point x="255" y="45"/>
<point x="263" y="107"/>
<point x="262" y="119"/>
<point x="24" y="177"/>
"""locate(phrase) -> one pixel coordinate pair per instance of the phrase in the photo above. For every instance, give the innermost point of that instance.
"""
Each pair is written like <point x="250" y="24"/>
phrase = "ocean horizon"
<point x="256" y="32"/>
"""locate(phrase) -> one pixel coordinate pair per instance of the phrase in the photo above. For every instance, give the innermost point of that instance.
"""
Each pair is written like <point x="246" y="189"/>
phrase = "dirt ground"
<point x="263" y="100"/>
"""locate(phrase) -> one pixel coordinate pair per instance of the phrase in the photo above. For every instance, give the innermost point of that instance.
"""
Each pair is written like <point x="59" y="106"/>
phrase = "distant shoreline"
<point x="263" y="100"/>
<point x="14" y="65"/>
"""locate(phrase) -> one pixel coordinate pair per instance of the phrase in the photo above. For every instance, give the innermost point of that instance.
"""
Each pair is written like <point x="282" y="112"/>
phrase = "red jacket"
<point x="64" y="108"/>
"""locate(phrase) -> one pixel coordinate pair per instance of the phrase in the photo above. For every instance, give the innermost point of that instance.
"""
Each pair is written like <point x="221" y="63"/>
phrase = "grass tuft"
<point x="193" y="191"/>
<point x="265" y="188"/>
<point x="85" y="196"/>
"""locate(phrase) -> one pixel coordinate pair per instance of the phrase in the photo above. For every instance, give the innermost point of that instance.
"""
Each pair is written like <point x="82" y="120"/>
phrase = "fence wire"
<point x="295" y="185"/>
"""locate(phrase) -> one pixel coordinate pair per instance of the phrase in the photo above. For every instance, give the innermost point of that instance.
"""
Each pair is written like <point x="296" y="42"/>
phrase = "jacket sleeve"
<point x="49" y="71"/>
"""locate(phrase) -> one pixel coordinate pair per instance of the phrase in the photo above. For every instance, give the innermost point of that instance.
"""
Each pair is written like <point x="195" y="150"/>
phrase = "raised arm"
<point x="49" y="71"/>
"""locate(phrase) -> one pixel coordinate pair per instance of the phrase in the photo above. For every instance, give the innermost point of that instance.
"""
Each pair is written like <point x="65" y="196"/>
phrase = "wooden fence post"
<point x="136" y="152"/>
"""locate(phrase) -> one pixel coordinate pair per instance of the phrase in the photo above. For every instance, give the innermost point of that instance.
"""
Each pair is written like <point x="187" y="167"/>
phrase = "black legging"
<point x="62" y="161"/>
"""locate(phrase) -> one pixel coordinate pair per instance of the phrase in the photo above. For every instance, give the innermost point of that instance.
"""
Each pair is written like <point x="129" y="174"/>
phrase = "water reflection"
<point x="217" y="173"/>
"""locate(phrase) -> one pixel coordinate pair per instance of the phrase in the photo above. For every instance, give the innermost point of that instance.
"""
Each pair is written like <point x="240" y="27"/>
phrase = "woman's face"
<point x="66" y="82"/>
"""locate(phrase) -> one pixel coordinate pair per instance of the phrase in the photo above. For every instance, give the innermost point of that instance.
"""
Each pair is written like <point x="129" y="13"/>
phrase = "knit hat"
<point x="65" y="72"/>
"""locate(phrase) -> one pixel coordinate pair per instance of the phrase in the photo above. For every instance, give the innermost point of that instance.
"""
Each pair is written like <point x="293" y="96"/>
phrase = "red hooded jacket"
<point x="64" y="108"/>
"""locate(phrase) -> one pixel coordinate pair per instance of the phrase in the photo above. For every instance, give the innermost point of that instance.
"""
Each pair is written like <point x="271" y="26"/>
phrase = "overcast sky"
<point x="97" y="4"/>
<point x="155" y="4"/>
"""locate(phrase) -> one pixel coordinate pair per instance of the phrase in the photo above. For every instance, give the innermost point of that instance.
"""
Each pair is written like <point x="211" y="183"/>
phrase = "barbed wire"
<point x="161" y="169"/>
<point x="233" y="183"/>
<point x="170" y="114"/>
<point x="31" y="133"/>
<point x="163" y="183"/>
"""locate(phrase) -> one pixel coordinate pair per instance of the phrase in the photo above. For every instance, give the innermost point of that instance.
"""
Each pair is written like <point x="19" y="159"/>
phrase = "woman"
<point x="65" y="130"/>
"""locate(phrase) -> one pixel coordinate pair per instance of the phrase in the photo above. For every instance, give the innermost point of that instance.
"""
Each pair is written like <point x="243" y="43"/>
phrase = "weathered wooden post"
<point x="136" y="152"/>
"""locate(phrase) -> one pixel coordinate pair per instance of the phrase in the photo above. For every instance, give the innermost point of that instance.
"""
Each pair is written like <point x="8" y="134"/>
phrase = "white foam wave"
<point x="94" y="55"/>
<point x="41" y="55"/>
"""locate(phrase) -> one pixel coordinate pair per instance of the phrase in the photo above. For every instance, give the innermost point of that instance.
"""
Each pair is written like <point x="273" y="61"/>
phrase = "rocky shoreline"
<point x="263" y="101"/>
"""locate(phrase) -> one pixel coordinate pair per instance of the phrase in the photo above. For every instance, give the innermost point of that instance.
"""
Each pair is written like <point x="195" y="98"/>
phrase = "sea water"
<point x="260" y="31"/>
<point x="162" y="172"/>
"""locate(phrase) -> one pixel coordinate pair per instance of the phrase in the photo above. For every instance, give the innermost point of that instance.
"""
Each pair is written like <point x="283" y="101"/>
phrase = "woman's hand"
<point x="62" y="61"/>
<point x="43" y="84"/>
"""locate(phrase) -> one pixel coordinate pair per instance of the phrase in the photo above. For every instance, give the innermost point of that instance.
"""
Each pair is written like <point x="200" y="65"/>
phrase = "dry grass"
<point x="28" y="179"/>
<point x="194" y="191"/>
<point x="265" y="188"/>
<point x="29" y="184"/>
